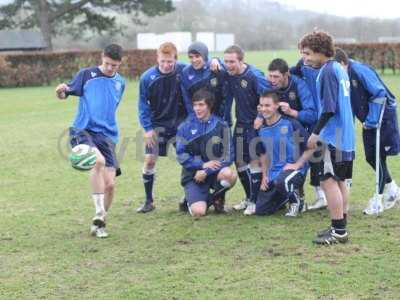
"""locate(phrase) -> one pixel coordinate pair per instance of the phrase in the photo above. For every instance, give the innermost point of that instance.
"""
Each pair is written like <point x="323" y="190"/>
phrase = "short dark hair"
<point x="341" y="56"/>
<point x="274" y="96"/>
<point x="319" y="42"/>
<point x="206" y="95"/>
<point x="235" y="49"/>
<point x="278" y="64"/>
<point x="113" y="51"/>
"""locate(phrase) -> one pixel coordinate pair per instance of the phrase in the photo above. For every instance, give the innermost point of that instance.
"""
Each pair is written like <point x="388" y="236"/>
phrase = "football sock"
<point x="319" y="193"/>
<point x="244" y="176"/>
<point x="392" y="188"/>
<point x="339" y="226"/>
<point x="98" y="200"/>
<point x="221" y="188"/>
<point x="255" y="175"/>
<point x="148" y="180"/>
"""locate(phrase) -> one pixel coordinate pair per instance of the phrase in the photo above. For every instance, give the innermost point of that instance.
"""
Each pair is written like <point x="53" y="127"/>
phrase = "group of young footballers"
<point x="287" y="122"/>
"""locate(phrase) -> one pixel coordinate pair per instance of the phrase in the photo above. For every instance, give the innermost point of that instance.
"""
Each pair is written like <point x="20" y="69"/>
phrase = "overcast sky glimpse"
<point x="345" y="8"/>
<point x="349" y="8"/>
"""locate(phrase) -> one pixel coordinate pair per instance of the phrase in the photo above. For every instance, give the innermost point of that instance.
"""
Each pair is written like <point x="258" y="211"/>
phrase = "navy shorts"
<point x="247" y="143"/>
<point x="196" y="192"/>
<point x="389" y="136"/>
<point x="338" y="169"/>
<point x="164" y="139"/>
<point x="98" y="140"/>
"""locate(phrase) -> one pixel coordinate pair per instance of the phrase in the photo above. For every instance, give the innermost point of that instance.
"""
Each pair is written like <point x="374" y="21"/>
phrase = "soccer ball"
<point x="82" y="157"/>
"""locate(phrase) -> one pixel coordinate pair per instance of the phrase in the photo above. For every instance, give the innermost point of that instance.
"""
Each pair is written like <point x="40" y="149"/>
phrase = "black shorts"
<point x="247" y="143"/>
<point x="335" y="167"/>
<point x="164" y="139"/>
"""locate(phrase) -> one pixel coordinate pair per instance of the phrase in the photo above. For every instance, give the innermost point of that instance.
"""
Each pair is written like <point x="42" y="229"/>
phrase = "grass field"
<point x="45" y="211"/>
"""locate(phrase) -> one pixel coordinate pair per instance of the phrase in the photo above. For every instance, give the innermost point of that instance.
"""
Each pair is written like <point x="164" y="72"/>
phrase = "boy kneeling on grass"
<point x="283" y="161"/>
<point x="204" y="148"/>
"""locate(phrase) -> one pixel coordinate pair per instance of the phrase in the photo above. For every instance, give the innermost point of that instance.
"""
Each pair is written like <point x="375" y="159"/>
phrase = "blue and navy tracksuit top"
<point x="246" y="88"/>
<point x="198" y="142"/>
<point x="309" y="75"/>
<point x="299" y="98"/>
<point x="194" y="80"/>
<point x="283" y="142"/>
<point x="368" y="93"/>
<point x="160" y="99"/>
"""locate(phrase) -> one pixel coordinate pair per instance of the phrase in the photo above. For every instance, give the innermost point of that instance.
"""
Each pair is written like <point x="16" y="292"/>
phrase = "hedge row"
<point x="380" y="55"/>
<point x="41" y="68"/>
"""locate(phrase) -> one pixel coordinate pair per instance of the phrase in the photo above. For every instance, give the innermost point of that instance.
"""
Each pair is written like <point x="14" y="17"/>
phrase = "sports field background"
<point x="45" y="211"/>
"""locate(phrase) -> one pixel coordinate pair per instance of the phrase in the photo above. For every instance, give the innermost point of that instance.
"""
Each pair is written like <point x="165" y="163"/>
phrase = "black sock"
<point x="294" y="197"/>
<point x="214" y="198"/>
<point x="339" y="226"/>
<point x="148" y="180"/>
<point x="255" y="185"/>
<point x="345" y="219"/>
<point x="244" y="177"/>
<point x="219" y="190"/>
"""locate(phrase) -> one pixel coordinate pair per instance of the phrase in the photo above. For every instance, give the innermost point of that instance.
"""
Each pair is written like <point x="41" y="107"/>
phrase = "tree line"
<point x="257" y="24"/>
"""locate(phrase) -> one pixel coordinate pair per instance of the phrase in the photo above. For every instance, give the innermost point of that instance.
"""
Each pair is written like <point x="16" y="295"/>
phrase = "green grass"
<point x="45" y="211"/>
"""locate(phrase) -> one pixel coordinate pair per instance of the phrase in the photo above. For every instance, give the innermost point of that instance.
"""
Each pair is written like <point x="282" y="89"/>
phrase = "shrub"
<point x="379" y="55"/>
<point x="41" y="68"/>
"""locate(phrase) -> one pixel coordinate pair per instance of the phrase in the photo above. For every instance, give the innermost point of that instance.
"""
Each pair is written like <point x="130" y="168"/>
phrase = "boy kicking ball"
<point x="100" y="91"/>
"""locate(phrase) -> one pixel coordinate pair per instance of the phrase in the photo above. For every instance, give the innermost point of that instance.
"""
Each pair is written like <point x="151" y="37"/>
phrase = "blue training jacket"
<point x="298" y="95"/>
<point x="160" y="99"/>
<point x="194" y="80"/>
<point x="99" y="97"/>
<point x="246" y="88"/>
<point x="309" y="75"/>
<point x="200" y="141"/>
<point x="283" y="142"/>
<point x="368" y="92"/>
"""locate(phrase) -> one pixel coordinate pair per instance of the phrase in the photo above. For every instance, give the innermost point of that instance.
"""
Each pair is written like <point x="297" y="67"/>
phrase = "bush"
<point x="42" y="68"/>
<point x="379" y="55"/>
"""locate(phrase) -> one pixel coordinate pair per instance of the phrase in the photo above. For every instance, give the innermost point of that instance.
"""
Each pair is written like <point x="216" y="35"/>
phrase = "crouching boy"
<point x="204" y="149"/>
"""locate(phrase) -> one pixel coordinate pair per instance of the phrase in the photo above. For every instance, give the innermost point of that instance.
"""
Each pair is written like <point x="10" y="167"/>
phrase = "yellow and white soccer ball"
<point x="83" y="157"/>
